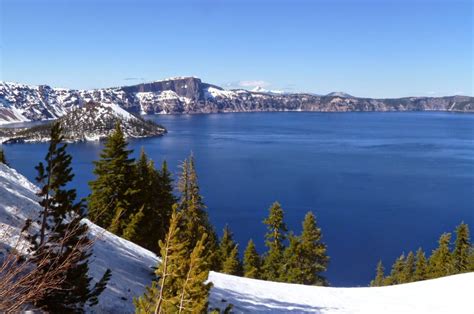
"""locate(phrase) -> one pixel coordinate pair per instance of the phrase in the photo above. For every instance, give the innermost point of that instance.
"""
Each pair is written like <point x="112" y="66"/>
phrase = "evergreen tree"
<point x="62" y="235"/>
<point x="462" y="248"/>
<point x="396" y="275"/>
<point x="409" y="268"/>
<point x="226" y="246"/>
<point x="154" y="196"/>
<point x="161" y="297"/>
<point x="111" y="199"/>
<point x="193" y="297"/>
<point x="252" y="262"/>
<point x="231" y="264"/>
<point x="181" y="285"/>
<point x="379" y="276"/>
<point x="275" y="237"/>
<point x="421" y="266"/>
<point x="440" y="262"/>
<point x="3" y="159"/>
<point x="305" y="257"/>
<point x="195" y="218"/>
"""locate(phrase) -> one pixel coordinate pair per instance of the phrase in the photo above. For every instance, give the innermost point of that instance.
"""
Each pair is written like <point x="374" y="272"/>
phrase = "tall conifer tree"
<point x="111" y="200"/>
<point x="462" y="247"/>
<point x="252" y="261"/>
<point x="421" y="266"/>
<point x="441" y="262"/>
<point x="275" y="242"/>
<point x="62" y="235"/>
<point x="379" y="276"/>
<point x="195" y="219"/>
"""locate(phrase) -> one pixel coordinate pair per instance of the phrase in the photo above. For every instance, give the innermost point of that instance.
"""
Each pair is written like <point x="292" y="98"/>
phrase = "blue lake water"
<point x="379" y="183"/>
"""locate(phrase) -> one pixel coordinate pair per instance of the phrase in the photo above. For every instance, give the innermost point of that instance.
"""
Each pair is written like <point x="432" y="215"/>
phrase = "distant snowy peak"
<point x="340" y="94"/>
<point x="259" y="89"/>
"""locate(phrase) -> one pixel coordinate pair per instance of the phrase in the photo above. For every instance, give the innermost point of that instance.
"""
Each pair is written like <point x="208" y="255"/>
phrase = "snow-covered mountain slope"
<point x="132" y="265"/>
<point x="190" y="95"/>
<point x="446" y="295"/>
<point x="92" y="121"/>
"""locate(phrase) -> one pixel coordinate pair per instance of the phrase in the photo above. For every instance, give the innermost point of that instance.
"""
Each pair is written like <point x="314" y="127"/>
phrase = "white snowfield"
<point x="132" y="265"/>
<point x="453" y="294"/>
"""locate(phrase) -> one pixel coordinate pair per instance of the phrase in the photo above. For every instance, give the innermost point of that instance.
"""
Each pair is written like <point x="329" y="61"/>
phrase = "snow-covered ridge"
<point x="90" y="122"/>
<point x="19" y="102"/>
<point x="132" y="265"/>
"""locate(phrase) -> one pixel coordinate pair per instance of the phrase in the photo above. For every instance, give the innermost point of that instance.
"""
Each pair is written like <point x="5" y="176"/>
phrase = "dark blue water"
<point x="379" y="183"/>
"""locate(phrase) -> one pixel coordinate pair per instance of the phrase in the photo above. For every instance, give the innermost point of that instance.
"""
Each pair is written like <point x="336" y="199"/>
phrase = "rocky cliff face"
<point x="191" y="95"/>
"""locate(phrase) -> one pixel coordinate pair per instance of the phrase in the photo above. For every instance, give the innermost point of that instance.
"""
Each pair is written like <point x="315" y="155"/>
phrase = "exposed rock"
<point x="92" y="121"/>
<point x="190" y="95"/>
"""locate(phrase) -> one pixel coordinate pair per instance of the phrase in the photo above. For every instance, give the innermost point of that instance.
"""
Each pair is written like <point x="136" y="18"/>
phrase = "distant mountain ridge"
<point x="190" y="95"/>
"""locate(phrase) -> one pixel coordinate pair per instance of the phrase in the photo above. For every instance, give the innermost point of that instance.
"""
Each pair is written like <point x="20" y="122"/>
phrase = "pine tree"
<point x="3" y="159"/>
<point x="275" y="237"/>
<point x="226" y="246"/>
<point x="110" y="201"/>
<point x="154" y="196"/>
<point x="193" y="297"/>
<point x="379" y="276"/>
<point x="305" y="257"/>
<point x="181" y="285"/>
<point x="421" y="266"/>
<point x="195" y="219"/>
<point x="62" y="235"/>
<point x="314" y="257"/>
<point x="231" y="264"/>
<point x="161" y="297"/>
<point x="396" y="275"/>
<point x="252" y="262"/>
<point x="441" y="263"/>
<point x="462" y="248"/>
<point x="409" y="268"/>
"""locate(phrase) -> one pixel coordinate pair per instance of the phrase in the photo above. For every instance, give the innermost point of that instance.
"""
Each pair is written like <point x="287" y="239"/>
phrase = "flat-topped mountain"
<point x="92" y="121"/>
<point x="191" y="95"/>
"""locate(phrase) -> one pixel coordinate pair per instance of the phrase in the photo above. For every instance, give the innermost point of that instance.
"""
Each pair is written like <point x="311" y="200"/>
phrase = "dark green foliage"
<point x="305" y="258"/>
<point x="421" y="266"/>
<point x="3" y="159"/>
<point x="229" y="254"/>
<point x="181" y="276"/>
<point x="231" y="264"/>
<point x="462" y="248"/>
<point x="409" y="268"/>
<point x="379" y="277"/>
<point x="441" y="262"/>
<point x="111" y="199"/>
<point x="252" y="261"/>
<point x="62" y="236"/>
<point x="195" y="219"/>
<point x="154" y="196"/>
<point x="275" y="237"/>
<point x="396" y="275"/>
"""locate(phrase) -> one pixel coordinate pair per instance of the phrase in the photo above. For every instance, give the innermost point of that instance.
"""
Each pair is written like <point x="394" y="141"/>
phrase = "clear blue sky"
<point x="379" y="48"/>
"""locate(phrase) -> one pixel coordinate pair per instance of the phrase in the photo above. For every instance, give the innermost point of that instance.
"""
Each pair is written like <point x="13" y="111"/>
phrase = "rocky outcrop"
<point x="90" y="122"/>
<point x="191" y="95"/>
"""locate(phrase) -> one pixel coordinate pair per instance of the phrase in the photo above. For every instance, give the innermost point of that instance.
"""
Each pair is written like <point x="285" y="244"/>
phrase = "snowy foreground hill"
<point x="132" y="265"/>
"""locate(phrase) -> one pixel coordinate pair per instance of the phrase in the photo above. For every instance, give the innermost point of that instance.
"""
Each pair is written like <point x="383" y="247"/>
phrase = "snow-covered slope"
<point x="446" y="295"/>
<point x="132" y="265"/>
